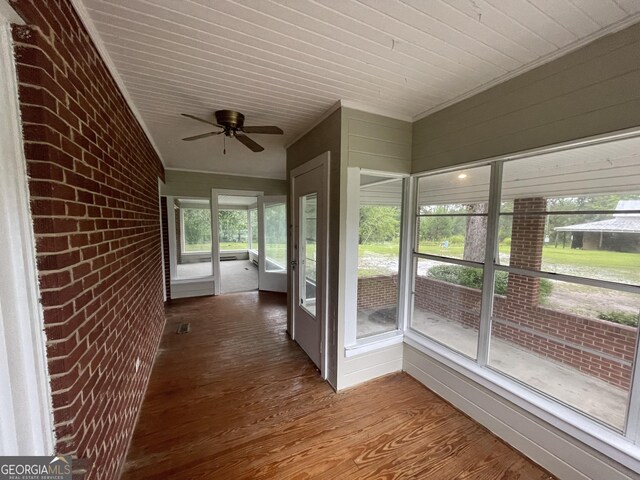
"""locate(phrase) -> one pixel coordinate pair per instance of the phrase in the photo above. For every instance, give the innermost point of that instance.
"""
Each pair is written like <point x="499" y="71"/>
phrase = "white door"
<point x="309" y="259"/>
<point x="273" y="260"/>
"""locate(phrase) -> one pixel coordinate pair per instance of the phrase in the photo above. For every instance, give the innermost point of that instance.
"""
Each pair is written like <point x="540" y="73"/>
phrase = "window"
<point x="539" y="278"/>
<point x="451" y="236"/>
<point x="196" y="230"/>
<point x="577" y="328"/>
<point x="275" y="229"/>
<point x="193" y="238"/>
<point x="378" y="254"/>
<point x="233" y="230"/>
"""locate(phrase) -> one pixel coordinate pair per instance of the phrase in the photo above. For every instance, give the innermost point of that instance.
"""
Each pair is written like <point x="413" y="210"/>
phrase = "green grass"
<point x="234" y="246"/>
<point x="206" y="247"/>
<point x="275" y="252"/>
<point x="197" y="247"/>
<point x="593" y="263"/>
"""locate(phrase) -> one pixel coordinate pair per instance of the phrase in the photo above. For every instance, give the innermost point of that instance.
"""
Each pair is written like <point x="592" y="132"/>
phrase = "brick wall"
<point x="595" y="347"/>
<point x="377" y="292"/>
<point x="527" y="241"/>
<point x="94" y="198"/>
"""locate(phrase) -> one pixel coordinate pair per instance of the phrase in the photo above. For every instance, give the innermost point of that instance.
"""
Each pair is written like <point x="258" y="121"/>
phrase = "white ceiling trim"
<point x="106" y="58"/>
<point x="622" y="24"/>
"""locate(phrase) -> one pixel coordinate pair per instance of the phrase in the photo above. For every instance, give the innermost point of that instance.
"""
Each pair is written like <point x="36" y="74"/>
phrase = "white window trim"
<point x="624" y="449"/>
<point x="353" y="344"/>
<point x="25" y="394"/>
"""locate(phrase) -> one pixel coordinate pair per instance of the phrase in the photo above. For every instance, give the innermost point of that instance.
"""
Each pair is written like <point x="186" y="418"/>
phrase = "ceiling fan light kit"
<point x="232" y="124"/>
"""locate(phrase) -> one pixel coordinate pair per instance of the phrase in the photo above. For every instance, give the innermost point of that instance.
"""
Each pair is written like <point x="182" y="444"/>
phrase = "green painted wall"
<point x="180" y="183"/>
<point x="375" y="142"/>
<point x="324" y="137"/>
<point x="591" y="91"/>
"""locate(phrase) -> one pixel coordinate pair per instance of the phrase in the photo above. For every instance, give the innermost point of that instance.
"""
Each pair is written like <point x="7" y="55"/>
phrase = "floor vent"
<point x="184" y="328"/>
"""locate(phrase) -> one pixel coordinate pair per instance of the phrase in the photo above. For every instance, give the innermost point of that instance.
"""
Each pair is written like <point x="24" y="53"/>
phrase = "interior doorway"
<point x="249" y="250"/>
<point x="238" y="242"/>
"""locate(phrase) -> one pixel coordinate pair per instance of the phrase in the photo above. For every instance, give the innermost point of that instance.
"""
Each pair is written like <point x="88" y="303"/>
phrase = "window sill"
<point x="600" y="438"/>
<point x="375" y="342"/>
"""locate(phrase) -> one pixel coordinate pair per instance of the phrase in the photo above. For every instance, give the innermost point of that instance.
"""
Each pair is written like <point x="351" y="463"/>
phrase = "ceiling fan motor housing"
<point x="230" y="119"/>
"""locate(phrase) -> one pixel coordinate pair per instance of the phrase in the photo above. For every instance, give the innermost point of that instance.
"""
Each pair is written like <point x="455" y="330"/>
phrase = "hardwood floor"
<point x="235" y="399"/>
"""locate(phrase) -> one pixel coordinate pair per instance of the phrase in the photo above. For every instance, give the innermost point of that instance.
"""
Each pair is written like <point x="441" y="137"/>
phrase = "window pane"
<point x="572" y="342"/>
<point x="308" y="251"/>
<point x="544" y="242"/>
<point x="378" y="254"/>
<point x="233" y="230"/>
<point x="197" y="229"/>
<point x="446" y="304"/>
<point x="582" y="178"/>
<point x="452" y="209"/>
<point x="275" y="228"/>
<point x="461" y="237"/>
<point x="577" y="237"/>
<point x="461" y="191"/>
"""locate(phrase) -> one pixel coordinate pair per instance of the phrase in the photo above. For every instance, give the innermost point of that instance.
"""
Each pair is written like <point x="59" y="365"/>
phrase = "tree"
<point x="232" y="225"/>
<point x="379" y="224"/>
<point x="476" y="235"/>
<point x="197" y="225"/>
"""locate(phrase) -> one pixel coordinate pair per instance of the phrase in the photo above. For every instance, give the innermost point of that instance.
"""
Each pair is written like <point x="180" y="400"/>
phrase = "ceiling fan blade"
<point x="199" y="119"/>
<point x="204" y="135"/>
<point x="253" y="146"/>
<point x="263" y="129"/>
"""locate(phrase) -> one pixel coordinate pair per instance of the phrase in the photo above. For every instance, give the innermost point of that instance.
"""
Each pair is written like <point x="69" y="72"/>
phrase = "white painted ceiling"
<point x="286" y="62"/>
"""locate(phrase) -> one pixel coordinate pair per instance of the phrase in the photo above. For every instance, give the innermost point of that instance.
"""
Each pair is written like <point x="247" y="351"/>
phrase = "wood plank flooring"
<point x="236" y="399"/>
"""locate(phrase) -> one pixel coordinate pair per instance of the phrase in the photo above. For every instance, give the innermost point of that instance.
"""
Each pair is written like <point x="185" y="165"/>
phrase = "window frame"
<point x="624" y="446"/>
<point x="353" y="344"/>
<point x="253" y="208"/>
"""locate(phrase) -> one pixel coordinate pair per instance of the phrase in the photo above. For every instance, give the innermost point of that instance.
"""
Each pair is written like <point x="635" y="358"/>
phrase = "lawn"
<point x="382" y="258"/>
<point x="615" y="266"/>
<point x="206" y="247"/>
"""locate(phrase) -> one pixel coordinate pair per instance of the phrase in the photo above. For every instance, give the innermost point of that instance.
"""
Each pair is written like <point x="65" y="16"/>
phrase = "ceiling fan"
<point x="232" y="124"/>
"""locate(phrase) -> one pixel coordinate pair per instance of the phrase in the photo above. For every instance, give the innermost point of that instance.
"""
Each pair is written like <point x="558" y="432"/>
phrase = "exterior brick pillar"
<point x="527" y="240"/>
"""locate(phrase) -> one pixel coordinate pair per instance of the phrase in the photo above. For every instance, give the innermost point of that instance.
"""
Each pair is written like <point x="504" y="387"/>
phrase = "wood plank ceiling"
<point x="286" y="62"/>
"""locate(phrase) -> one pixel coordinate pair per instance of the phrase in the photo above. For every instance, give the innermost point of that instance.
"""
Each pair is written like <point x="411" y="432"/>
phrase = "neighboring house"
<point x="618" y="234"/>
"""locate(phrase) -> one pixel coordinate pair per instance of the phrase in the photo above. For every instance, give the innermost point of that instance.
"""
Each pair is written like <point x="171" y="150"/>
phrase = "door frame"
<point x="26" y="409"/>
<point x="322" y="306"/>
<point x="215" y="241"/>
